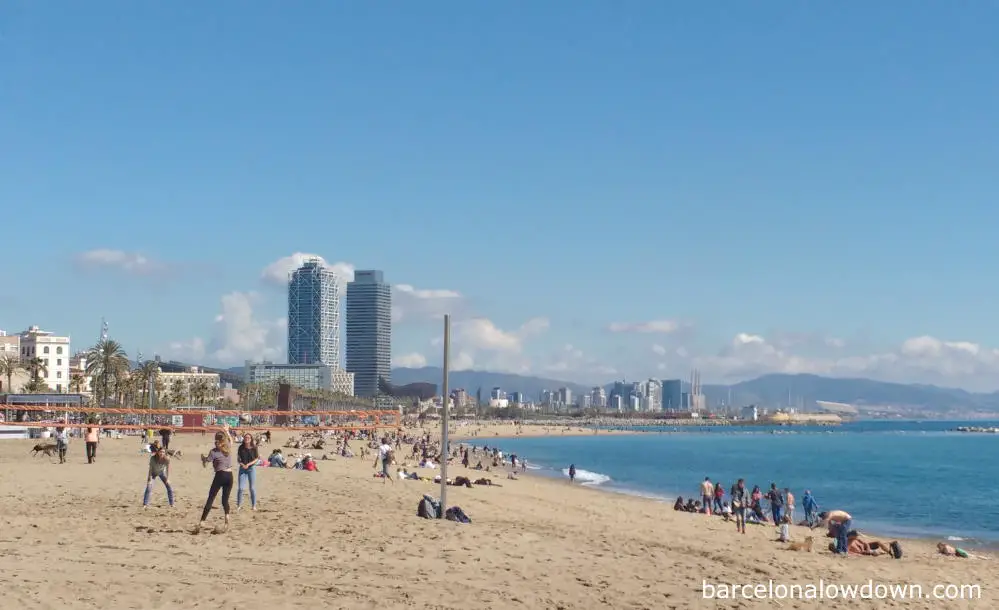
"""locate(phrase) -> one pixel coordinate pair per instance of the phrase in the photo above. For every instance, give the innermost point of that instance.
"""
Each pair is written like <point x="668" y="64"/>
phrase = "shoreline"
<point x="980" y="546"/>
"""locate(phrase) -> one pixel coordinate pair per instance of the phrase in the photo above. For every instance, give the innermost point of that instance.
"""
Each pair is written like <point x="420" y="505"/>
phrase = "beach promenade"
<point x="76" y="536"/>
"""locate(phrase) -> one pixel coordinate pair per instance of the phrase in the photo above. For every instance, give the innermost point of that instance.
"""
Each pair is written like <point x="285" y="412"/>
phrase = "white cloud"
<point x="654" y="326"/>
<point x="923" y="359"/>
<point x="408" y="302"/>
<point x="658" y="349"/>
<point x="238" y="335"/>
<point x="413" y="360"/>
<point x="132" y="263"/>
<point x="572" y="364"/>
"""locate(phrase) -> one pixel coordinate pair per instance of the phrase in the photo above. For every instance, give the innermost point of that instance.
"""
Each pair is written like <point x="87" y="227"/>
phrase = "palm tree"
<point x="36" y="368"/>
<point x="107" y="363"/>
<point x="199" y="391"/>
<point x="77" y="381"/>
<point x="148" y="375"/>
<point x="9" y="366"/>
<point x="36" y="385"/>
<point x="178" y="391"/>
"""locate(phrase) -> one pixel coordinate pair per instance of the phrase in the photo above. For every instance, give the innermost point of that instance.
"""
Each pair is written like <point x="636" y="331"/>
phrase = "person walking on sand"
<point x="62" y="443"/>
<point x="572" y="473"/>
<point x="719" y="494"/>
<point x="159" y="468"/>
<point x="739" y="499"/>
<point x="92" y="437"/>
<point x="222" y="465"/>
<point x="247" y="456"/>
<point x="707" y="493"/>
<point x="165" y="435"/>
<point x="385" y="455"/>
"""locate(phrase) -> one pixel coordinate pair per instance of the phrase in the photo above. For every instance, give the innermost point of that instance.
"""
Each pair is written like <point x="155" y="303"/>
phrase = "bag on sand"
<point x="428" y="508"/>
<point x="456" y="514"/>
<point x="895" y="549"/>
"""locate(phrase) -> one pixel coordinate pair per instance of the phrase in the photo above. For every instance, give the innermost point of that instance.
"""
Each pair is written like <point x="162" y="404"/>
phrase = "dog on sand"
<point x="205" y="460"/>
<point x="48" y="450"/>
<point x="175" y="453"/>
<point x="805" y="545"/>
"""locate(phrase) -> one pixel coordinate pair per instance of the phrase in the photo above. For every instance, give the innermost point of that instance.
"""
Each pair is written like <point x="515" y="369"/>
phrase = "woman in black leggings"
<point x="222" y="464"/>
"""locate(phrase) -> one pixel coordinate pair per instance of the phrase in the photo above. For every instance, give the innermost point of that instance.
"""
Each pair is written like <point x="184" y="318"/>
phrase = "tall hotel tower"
<point x="313" y="315"/>
<point x="369" y="331"/>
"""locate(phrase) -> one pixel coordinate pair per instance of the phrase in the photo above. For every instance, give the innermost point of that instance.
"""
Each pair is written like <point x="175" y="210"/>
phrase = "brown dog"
<point x="175" y="453"/>
<point x="805" y="545"/>
<point x="49" y="450"/>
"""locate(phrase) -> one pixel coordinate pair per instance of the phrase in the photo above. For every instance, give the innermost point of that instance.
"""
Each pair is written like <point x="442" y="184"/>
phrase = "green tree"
<point x="107" y="364"/>
<point x="10" y="365"/>
<point x="178" y="391"/>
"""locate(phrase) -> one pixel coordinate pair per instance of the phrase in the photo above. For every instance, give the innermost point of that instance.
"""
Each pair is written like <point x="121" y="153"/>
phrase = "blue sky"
<point x="815" y="177"/>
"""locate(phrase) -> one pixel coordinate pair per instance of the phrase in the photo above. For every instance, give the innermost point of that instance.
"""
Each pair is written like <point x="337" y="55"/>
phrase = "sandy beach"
<point x="76" y="536"/>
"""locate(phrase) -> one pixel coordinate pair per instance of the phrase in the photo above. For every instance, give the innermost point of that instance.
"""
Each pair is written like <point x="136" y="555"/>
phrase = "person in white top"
<point x="62" y="442"/>
<point x="385" y="456"/>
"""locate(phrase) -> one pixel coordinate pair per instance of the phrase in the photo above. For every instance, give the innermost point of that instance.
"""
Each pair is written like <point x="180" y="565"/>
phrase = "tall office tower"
<point x="313" y="315"/>
<point x="369" y="331"/>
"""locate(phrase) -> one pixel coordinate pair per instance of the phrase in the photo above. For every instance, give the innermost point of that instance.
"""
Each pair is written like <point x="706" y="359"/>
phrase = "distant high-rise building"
<point x="598" y="397"/>
<point x="369" y="331"/>
<point x="673" y="395"/>
<point x="313" y="315"/>
<point x="565" y="396"/>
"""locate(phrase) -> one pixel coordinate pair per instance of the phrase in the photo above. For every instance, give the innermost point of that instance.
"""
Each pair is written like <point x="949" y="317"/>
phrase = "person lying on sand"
<point x="873" y="548"/>
<point x="951" y="551"/>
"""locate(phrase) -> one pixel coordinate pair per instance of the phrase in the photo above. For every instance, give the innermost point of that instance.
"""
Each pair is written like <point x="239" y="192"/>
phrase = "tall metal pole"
<point x="444" y="414"/>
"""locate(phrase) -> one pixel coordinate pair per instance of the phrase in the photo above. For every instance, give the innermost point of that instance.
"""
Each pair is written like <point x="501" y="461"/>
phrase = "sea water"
<point x="909" y="479"/>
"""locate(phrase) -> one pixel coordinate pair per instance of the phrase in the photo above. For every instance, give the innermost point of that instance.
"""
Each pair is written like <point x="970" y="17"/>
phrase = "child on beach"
<point x="785" y="529"/>
<point x="92" y="437"/>
<point x="62" y="443"/>
<point x="159" y="468"/>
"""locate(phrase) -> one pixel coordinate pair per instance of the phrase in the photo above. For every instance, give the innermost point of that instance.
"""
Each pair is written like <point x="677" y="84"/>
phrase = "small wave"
<point x="531" y="466"/>
<point x="588" y="478"/>
<point x="954" y="538"/>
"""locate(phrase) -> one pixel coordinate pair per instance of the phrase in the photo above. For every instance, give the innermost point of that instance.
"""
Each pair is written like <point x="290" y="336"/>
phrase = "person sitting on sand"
<point x="678" y="505"/>
<point x="726" y="512"/>
<point x="945" y="549"/>
<point x="276" y="459"/>
<point x="310" y="464"/>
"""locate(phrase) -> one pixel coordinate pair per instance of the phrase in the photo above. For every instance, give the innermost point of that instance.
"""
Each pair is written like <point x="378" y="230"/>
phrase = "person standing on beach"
<point x="707" y="493"/>
<point x="222" y="465"/>
<point x="739" y="498"/>
<point x="247" y="456"/>
<point x="776" y="503"/>
<point x="789" y="505"/>
<point x="159" y="468"/>
<point x="165" y="435"/>
<point x="385" y="457"/>
<point x="719" y="494"/>
<point x="62" y="443"/>
<point x="810" y="506"/>
<point x="93" y="436"/>
<point x="839" y="522"/>
<point x="572" y="473"/>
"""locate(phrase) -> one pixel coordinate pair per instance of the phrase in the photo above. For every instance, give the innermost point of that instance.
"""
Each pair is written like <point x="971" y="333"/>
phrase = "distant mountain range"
<point x="768" y="391"/>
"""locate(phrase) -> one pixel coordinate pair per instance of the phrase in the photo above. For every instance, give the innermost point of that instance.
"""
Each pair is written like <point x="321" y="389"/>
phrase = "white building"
<point x="55" y="355"/>
<point x="10" y="345"/>
<point x="304" y="376"/>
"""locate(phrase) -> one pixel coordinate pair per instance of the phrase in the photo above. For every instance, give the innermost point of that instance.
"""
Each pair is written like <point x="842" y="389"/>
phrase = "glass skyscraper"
<point x="369" y="331"/>
<point x="313" y="315"/>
